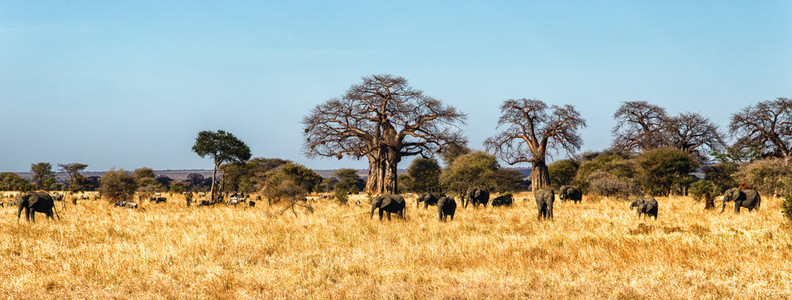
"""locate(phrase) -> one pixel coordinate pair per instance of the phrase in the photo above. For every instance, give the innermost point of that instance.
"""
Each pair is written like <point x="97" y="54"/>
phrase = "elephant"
<point x="503" y="200"/>
<point x="544" y="203"/>
<point x="161" y="200"/>
<point x="126" y="204"/>
<point x="568" y="192"/>
<point x="476" y="196"/>
<point x="33" y="202"/>
<point x="389" y="204"/>
<point x="446" y="207"/>
<point x="645" y="206"/>
<point x="428" y="199"/>
<point x="206" y="203"/>
<point x="749" y="199"/>
<point x="251" y="203"/>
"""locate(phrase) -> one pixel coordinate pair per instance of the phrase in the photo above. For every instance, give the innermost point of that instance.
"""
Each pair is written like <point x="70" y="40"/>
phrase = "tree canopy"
<point x="383" y="119"/>
<point x="766" y="126"/>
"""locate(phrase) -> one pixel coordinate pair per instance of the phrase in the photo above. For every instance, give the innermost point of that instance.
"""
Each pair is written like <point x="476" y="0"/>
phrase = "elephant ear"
<point x="476" y="193"/>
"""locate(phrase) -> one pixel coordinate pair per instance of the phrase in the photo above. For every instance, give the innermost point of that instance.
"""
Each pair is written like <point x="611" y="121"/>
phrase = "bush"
<point x="607" y="184"/>
<point x="118" y="185"/>
<point x="663" y="167"/>
<point x="476" y="169"/>
<point x="768" y="176"/>
<point x="613" y="165"/>
<point x="700" y="188"/>
<point x="562" y="172"/>
<point x="342" y="191"/>
<point x="786" y="207"/>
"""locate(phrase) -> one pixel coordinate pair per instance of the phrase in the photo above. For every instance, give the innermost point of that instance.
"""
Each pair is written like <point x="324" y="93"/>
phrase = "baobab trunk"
<point x="540" y="175"/>
<point x="382" y="178"/>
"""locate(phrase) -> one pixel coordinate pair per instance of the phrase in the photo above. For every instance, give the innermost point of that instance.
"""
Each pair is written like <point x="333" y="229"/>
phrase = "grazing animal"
<point x="544" y="203"/>
<point x="446" y="207"/>
<point x="749" y="199"/>
<point x="428" y="199"/>
<point x="476" y="196"/>
<point x="2" y="204"/>
<point x="11" y="203"/>
<point x="567" y="192"/>
<point x="85" y="197"/>
<point x="161" y="200"/>
<point x="206" y="203"/>
<point x="126" y="204"/>
<point x="645" y="206"/>
<point x="389" y="204"/>
<point x="504" y="200"/>
<point x="33" y="202"/>
<point x="251" y="203"/>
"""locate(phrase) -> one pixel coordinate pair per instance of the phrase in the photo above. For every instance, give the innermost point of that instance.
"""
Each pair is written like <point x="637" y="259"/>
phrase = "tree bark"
<point x="540" y="175"/>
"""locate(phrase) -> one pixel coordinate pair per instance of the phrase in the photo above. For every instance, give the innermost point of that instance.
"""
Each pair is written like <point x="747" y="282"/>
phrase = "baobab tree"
<point x="384" y="120"/>
<point x="693" y="133"/>
<point x="766" y="126"/>
<point x="531" y="130"/>
<point x="639" y="127"/>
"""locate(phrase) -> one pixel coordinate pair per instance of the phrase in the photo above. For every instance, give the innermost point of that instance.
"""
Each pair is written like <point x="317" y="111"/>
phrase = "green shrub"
<point x="786" y="207"/>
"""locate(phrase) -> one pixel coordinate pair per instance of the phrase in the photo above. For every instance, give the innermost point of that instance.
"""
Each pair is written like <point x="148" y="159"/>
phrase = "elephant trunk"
<point x="723" y="207"/>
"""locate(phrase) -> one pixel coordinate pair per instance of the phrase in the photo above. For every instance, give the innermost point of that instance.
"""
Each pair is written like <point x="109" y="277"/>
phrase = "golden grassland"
<point x="594" y="249"/>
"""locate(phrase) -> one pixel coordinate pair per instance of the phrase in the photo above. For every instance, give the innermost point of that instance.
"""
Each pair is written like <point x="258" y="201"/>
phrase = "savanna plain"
<point x="594" y="249"/>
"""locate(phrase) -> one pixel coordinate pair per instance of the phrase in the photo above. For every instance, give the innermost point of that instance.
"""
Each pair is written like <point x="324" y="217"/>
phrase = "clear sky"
<point x="128" y="84"/>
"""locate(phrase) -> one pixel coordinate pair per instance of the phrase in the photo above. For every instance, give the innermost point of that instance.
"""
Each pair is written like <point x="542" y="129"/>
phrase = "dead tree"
<point x="531" y="130"/>
<point x="384" y="120"/>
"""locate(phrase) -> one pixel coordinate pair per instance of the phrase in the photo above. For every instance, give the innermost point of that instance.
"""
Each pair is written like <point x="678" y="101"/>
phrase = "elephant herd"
<point x="32" y="202"/>
<point x="446" y="206"/>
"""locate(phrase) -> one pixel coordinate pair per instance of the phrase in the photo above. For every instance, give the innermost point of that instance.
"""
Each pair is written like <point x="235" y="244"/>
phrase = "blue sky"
<point x="128" y="84"/>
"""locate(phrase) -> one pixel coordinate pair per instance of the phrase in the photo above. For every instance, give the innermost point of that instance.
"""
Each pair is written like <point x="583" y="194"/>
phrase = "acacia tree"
<point x="43" y="176"/>
<point x="690" y="132"/>
<point x="77" y="181"/>
<point x="384" y="120"/>
<point x="531" y="130"/>
<point x="766" y="126"/>
<point x="221" y="146"/>
<point x="639" y="126"/>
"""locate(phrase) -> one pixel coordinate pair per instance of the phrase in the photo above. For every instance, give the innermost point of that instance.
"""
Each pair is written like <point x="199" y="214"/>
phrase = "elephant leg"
<point x="389" y="216"/>
<point x="32" y="215"/>
<point x="380" y="214"/>
<point x="737" y="207"/>
<point x="550" y="211"/>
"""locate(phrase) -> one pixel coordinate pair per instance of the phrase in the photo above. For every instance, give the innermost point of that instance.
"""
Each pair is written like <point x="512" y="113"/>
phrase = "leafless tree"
<point x="530" y="130"/>
<point x="693" y="133"/>
<point x="382" y="119"/>
<point x="766" y="125"/>
<point x="639" y="126"/>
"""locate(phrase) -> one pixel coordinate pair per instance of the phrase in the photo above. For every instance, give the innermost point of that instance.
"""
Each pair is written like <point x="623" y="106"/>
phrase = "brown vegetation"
<point x="596" y="249"/>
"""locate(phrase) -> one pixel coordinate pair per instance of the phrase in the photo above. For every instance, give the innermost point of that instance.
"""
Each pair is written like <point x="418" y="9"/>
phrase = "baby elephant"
<point x="446" y="207"/>
<point x="544" y="203"/>
<point x="645" y="206"/>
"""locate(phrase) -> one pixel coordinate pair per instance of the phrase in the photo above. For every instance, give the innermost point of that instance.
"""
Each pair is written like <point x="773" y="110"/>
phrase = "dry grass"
<point x="597" y="249"/>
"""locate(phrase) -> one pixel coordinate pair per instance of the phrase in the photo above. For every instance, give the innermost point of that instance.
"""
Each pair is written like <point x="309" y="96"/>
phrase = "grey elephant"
<point x="749" y="199"/>
<point x="544" y="203"/>
<point x="568" y="192"/>
<point x="446" y="207"/>
<point x="388" y="203"/>
<point x="503" y="200"/>
<point x="476" y="196"/>
<point x="428" y="199"/>
<point x="33" y="202"/>
<point x="645" y="206"/>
